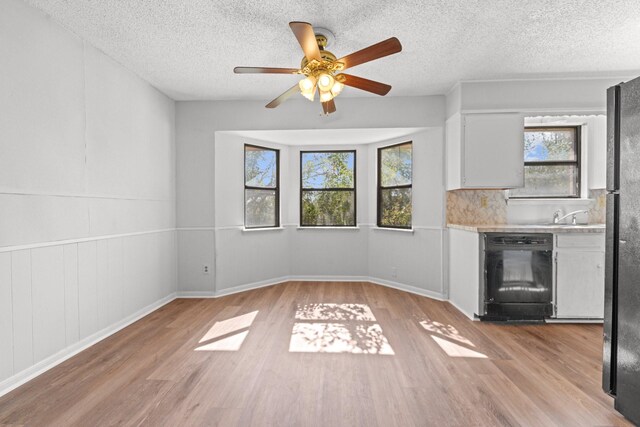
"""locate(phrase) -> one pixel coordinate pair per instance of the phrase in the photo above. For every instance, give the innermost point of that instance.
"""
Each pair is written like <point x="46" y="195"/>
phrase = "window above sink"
<point x="552" y="163"/>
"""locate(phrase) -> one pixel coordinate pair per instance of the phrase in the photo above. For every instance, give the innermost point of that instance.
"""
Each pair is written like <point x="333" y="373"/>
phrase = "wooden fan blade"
<point x="264" y="70"/>
<point x="279" y="100"/>
<point x="307" y="39"/>
<point x="376" y="51"/>
<point x="365" y="84"/>
<point x="329" y="107"/>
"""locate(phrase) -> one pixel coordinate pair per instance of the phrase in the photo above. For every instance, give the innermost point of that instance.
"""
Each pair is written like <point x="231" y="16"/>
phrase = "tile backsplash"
<point x="598" y="211"/>
<point x="486" y="207"/>
<point x="476" y="207"/>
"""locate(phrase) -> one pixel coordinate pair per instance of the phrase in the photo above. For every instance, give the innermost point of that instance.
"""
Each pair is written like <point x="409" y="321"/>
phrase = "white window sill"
<point x="398" y="230"/>
<point x="244" y="229"/>
<point x="569" y="201"/>
<point x="328" y="228"/>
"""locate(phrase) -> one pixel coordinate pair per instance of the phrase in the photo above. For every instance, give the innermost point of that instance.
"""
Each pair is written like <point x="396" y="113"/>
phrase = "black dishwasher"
<point x="518" y="276"/>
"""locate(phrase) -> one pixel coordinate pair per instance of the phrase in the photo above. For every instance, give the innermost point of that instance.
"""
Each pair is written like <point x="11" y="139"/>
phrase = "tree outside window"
<point x="395" y="184"/>
<point x="261" y="187"/>
<point x="328" y="188"/>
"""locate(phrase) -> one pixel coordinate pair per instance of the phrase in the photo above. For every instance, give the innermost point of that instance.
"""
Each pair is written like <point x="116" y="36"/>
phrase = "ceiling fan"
<point x="323" y="72"/>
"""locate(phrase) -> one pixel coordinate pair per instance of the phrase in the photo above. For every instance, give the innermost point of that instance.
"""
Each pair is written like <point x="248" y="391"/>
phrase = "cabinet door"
<point x="453" y="141"/>
<point x="580" y="284"/>
<point x="493" y="150"/>
<point x="597" y="155"/>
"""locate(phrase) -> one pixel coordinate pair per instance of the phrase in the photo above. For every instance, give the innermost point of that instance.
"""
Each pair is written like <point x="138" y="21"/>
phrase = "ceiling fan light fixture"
<point x="322" y="70"/>
<point x="309" y="94"/>
<point x="307" y="84"/>
<point x="337" y="88"/>
<point x="325" y="82"/>
<point x="325" y="96"/>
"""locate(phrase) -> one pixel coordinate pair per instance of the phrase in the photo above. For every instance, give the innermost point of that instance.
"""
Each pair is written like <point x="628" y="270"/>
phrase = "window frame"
<point x="354" y="189"/>
<point x="577" y="129"/>
<point x="392" y="187"/>
<point x="252" y="187"/>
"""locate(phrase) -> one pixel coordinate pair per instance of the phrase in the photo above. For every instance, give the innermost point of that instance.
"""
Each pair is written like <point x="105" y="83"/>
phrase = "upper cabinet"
<point x="485" y="150"/>
<point x="596" y="137"/>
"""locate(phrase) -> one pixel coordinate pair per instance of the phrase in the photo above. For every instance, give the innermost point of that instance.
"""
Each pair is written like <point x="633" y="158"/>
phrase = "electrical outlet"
<point x="483" y="202"/>
<point x="205" y="269"/>
<point x="394" y="272"/>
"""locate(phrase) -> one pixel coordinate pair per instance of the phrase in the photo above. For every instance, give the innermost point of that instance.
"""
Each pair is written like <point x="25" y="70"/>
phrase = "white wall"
<point x="244" y="257"/>
<point x="210" y="197"/>
<point x="249" y="257"/>
<point x="87" y="193"/>
<point x="416" y="259"/>
<point x="330" y="253"/>
<point x="587" y="96"/>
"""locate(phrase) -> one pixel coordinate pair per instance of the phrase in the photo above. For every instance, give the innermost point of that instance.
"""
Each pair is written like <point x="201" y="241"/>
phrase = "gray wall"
<point x="87" y="193"/>
<point x="209" y="197"/>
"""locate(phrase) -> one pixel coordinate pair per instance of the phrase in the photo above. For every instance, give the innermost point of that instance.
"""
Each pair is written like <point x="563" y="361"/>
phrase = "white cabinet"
<point x="596" y="136"/>
<point x="485" y="150"/>
<point x="580" y="276"/>
<point x="464" y="271"/>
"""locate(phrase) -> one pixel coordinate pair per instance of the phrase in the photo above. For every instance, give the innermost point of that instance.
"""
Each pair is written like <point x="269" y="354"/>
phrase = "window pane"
<point x="395" y="207"/>
<point x="328" y="208"/>
<point x="260" y="167"/>
<point x="260" y="208"/>
<point x="549" y="144"/>
<point x="395" y="167"/>
<point x="328" y="170"/>
<point x="552" y="181"/>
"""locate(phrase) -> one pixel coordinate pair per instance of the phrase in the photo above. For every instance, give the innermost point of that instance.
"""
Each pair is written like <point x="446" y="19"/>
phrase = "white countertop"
<point x="531" y="228"/>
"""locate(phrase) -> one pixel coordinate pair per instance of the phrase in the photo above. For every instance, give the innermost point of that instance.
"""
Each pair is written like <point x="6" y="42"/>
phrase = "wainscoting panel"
<point x="71" y="302"/>
<point x="87" y="288"/>
<point x="6" y="318"/>
<point x="56" y="299"/>
<point x="47" y="285"/>
<point x="22" y="310"/>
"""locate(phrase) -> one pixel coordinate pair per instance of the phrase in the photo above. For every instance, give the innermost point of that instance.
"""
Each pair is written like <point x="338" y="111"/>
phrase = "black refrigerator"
<point x="621" y="361"/>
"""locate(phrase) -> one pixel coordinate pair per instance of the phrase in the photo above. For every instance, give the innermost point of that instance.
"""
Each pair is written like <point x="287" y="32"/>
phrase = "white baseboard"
<point x="408" y="288"/>
<point x="270" y="282"/>
<point x="232" y="290"/>
<point x="44" y="365"/>
<point x="251" y="286"/>
<point x="195" y="294"/>
<point x="471" y="316"/>
<point x="329" y="278"/>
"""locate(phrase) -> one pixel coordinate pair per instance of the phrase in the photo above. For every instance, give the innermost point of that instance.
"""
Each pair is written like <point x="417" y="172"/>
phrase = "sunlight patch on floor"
<point x="227" y="335"/>
<point x="448" y="331"/>
<point x="339" y="338"/>
<point x="230" y="325"/>
<point x="230" y="343"/>
<point x="456" y="350"/>
<point x="330" y="311"/>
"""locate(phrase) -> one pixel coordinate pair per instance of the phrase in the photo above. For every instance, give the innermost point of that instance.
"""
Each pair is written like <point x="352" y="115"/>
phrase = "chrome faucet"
<point x="557" y="218"/>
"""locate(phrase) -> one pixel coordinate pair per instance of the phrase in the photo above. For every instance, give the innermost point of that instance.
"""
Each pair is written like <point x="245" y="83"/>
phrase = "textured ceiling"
<point x="188" y="48"/>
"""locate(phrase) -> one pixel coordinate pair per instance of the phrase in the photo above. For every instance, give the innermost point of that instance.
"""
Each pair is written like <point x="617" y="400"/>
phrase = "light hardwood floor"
<point x="323" y="354"/>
